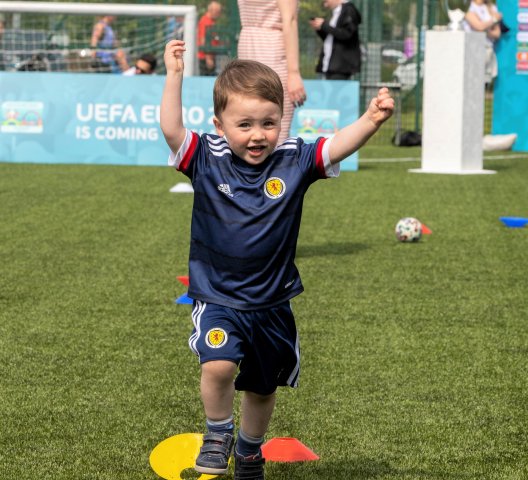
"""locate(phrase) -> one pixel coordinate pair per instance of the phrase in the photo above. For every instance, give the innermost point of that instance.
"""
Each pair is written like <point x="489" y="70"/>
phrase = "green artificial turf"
<point x="414" y="356"/>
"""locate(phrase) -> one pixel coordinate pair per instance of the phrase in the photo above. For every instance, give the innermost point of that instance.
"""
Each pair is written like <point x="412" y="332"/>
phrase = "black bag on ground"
<point x="408" y="139"/>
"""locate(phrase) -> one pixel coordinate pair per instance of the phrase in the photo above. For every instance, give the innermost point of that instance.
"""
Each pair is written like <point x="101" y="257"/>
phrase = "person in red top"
<point x="207" y="61"/>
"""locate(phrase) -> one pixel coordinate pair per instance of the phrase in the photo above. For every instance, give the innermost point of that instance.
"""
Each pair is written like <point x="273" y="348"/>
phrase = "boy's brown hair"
<point x="247" y="77"/>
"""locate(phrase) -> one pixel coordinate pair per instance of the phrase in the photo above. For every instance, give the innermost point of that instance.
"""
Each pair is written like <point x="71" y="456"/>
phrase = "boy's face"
<point x="251" y="126"/>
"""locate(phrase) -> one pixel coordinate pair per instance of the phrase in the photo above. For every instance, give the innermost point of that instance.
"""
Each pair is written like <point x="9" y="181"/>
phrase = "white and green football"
<point x="408" y="229"/>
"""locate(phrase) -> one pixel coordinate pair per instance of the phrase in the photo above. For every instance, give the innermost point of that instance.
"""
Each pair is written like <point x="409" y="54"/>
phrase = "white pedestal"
<point x="453" y="103"/>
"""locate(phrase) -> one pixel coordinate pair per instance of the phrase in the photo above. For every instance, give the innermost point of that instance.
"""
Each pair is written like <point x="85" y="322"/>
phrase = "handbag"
<point x="503" y="27"/>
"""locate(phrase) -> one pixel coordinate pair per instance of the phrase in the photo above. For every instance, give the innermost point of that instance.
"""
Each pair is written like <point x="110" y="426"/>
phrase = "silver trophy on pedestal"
<point x="456" y="11"/>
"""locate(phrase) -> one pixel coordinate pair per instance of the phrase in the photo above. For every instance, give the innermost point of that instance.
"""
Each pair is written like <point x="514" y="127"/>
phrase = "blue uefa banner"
<point x="510" y="97"/>
<point x="110" y="119"/>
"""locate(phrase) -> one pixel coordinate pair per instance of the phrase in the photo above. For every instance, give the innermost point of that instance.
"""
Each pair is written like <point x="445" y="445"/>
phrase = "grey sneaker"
<point x="249" y="468"/>
<point x="214" y="454"/>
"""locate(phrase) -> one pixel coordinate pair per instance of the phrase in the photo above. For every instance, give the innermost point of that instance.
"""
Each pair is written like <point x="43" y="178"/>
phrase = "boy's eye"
<point x="244" y="125"/>
<point x="269" y="124"/>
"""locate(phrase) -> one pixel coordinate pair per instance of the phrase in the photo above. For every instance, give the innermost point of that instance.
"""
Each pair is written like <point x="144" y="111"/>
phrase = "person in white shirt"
<point x="340" y="56"/>
<point x="483" y="16"/>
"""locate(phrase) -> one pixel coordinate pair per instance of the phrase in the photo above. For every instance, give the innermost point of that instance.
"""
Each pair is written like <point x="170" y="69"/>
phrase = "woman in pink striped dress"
<point x="270" y="35"/>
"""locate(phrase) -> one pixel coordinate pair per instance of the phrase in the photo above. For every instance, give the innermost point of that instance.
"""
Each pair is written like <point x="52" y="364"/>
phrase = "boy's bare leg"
<point x="256" y="413"/>
<point x="218" y="392"/>
<point x="218" y="389"/>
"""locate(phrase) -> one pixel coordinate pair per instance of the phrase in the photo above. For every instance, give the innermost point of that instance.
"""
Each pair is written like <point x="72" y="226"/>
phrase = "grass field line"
<point x="414" y="159"/>
<point x="389" y="160"/>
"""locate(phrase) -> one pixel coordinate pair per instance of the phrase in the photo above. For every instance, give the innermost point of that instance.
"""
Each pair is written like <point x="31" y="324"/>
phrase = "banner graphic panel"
<point x="510" y="97"/>
<point x="114" y="120"/>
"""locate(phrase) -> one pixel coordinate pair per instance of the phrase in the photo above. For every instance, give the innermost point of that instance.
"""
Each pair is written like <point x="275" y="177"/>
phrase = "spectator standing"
<point x="174" y="28"/>
<point x="108" y="58"/>
<point x="270" y="35"/>
<point x="340" y="56"/>
<point x="207" y="60"/>
<point x="2" y="26"/>
<point x="145" y="65"/>
<point x="483" y="16"/>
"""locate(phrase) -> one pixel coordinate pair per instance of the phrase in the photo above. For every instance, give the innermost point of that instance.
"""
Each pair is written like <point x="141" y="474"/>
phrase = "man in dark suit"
<point x="340" y="56"/>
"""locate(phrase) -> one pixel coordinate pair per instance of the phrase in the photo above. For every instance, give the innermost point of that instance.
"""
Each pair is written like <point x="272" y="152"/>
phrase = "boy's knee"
<point x="220" y="370"/>
<point x="256" y="398"/>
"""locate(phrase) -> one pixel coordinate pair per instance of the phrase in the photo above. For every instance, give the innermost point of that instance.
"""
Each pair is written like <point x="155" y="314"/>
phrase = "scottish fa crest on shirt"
<point x="216" y="338"/>
<point x="274" y="187"/>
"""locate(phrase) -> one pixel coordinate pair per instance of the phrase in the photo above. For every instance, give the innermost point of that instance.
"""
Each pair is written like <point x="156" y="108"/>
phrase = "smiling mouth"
<point x="257" y="148"/>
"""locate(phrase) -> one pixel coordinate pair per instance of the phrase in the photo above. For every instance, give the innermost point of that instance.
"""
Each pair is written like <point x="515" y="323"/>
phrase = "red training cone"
<point x="184" y="280"/>
<point x="426" y="230"/>
<point x="287" y="449"/>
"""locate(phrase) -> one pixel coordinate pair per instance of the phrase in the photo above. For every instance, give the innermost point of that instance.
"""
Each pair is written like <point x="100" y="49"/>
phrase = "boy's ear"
<point x="218" y="125"/>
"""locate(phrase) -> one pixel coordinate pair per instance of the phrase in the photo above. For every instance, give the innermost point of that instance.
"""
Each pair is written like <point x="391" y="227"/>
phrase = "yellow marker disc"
<point x="176" y="454"/>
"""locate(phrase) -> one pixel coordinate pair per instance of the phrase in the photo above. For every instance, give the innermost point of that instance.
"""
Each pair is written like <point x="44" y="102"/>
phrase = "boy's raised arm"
<point x="352" y="137"/>
<point x="171" y="117"/>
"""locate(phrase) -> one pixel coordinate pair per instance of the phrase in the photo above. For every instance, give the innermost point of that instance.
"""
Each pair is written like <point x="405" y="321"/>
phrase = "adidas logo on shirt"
<point x="224" y="188"/>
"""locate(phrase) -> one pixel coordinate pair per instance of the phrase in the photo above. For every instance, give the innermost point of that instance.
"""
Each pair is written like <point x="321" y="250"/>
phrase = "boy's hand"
<point x="381" y="107"/>
<point x="173" y="56"/>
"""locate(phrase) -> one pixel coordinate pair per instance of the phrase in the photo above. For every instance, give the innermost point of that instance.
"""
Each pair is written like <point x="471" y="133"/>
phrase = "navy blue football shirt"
<point x="246" y="218"/>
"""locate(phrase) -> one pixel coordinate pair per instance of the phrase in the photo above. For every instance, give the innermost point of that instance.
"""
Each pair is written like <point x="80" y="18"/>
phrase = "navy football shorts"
<point x="263" y="343"/>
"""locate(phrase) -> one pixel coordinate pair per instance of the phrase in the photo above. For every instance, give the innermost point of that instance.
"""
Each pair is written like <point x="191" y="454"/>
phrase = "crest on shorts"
<point x="274" y="187"/>
<point x="216" y="338"/>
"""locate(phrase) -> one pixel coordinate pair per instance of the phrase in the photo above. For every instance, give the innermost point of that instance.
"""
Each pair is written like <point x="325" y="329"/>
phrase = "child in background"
<point x="248" y="198"/>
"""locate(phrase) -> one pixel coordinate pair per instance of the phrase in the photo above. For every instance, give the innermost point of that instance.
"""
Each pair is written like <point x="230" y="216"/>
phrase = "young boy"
<point x="246" y="217"/>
